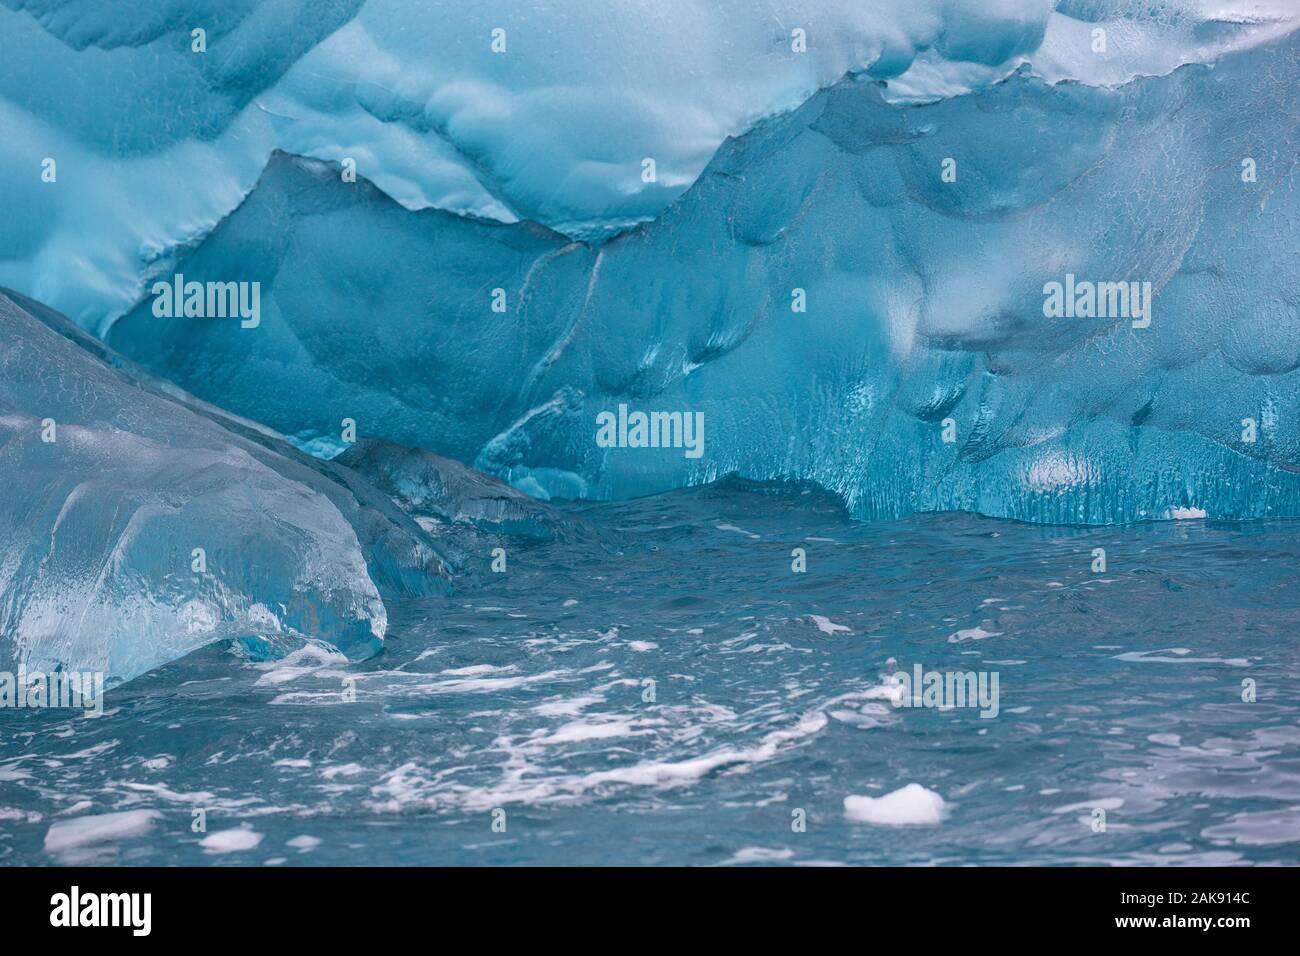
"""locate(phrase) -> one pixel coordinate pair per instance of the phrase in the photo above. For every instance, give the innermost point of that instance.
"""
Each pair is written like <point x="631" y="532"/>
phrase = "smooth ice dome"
<point x="835" y="307"/>
<point x="910" y="805"/>
<point x="138" y="524"/>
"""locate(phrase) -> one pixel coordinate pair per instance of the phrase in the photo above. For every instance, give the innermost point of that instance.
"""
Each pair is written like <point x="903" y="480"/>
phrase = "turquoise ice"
<point x="139" y="524"/>
<point x="922" y="374"/>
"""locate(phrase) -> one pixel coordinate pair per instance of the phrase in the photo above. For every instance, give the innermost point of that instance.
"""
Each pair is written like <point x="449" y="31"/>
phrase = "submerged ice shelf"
<point x="923" y="303"/>
<point x="138" y="523"/>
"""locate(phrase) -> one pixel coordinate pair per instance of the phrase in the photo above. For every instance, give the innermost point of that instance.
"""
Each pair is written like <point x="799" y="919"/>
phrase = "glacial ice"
<point x="924" y="308"/>
<point x="113" y="479"/>
<point x="155" y="143"/>
<point x="908" y="806"/>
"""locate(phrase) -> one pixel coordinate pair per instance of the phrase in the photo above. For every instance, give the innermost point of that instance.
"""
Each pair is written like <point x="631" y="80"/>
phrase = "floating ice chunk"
<point x="913" y="804"/>
<point x="231" y="841"/>
<point x="971" y="634"/>
<point x="98" y="828"/>
<point x="139" y="524"/>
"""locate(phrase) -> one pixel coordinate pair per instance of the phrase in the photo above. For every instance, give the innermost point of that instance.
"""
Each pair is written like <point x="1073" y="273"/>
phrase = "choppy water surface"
<point x="528" y="692"/>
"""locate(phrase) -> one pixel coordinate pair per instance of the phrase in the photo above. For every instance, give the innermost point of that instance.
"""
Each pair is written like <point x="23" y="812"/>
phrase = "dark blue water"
<point x="525" y="700"/>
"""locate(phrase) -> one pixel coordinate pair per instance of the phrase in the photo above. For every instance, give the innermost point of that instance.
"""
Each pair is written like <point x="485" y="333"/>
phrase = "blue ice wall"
<point x="503" y="109"/>
<point x="925" y="308"/>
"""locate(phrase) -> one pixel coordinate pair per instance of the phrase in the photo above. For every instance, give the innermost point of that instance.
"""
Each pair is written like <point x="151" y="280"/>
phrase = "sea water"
<point x="688" y="695"/>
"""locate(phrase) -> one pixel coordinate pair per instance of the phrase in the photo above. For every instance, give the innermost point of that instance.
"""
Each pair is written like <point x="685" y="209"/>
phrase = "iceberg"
<point x="139" y="523"/>
<point x="857" y="293"/>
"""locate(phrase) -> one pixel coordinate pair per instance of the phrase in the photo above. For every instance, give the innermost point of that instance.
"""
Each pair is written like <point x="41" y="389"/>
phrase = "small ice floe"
<point x="827" y="626"/>
<point x="642" y="646"/>
<point x="971" y="634"/>
<point x="1183" y="514"/>
<point x="304" y="843"/>
<point x="99" y="828"/>
<point x="231" y="841"/>
<point x="911" y="805"/>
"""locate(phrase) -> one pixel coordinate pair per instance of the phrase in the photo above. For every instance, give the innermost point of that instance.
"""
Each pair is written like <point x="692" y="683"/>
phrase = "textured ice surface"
<point x="155" y="143"/>
<point x="99" y="525"/>
<point x="924" y="303"/>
